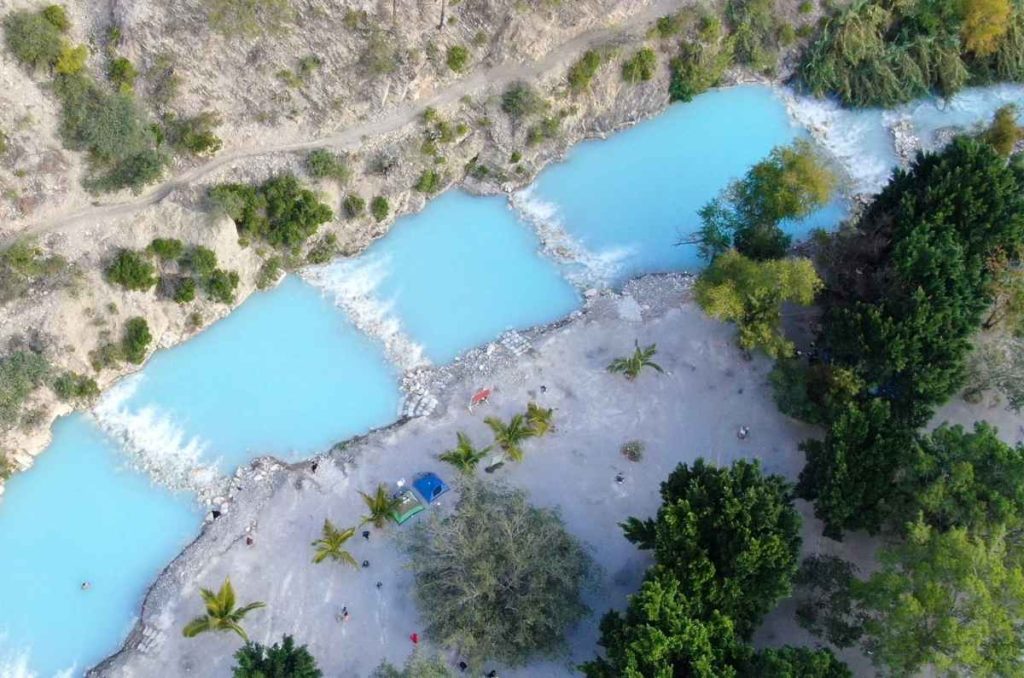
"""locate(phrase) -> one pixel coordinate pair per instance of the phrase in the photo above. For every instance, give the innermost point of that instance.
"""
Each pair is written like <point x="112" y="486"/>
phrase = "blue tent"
<point x="429" y="486"/>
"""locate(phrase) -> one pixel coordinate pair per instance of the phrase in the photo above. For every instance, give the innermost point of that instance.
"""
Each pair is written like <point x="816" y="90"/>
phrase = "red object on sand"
<point x="481" y="396"/>
<point x="415" y="638"/>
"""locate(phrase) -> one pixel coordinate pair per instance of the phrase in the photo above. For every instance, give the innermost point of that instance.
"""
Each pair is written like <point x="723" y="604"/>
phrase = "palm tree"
<point x="540" y="419"/>
<point x="509" y="436"/>
<point x="221" y="614"/>
<point x="464" y="456"/>
<point x="633" y="365"/>
<point x="331" y="543"/>
<point x="381" y="505"/>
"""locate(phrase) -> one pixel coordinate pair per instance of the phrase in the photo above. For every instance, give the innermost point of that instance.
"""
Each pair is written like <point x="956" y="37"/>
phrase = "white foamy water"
<point x="354" y="285"/>
<point x="157" y="444"/>
<point x="587" y="268"/>
<point x="859" y="140"/>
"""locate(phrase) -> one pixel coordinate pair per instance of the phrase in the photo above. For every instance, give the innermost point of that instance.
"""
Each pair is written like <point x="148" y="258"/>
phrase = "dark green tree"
<point x="283" y="660"/>
<point x="730" y="535"/>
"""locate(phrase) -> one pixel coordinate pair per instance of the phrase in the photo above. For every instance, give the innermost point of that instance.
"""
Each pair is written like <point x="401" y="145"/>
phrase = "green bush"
<point x="546" y="129"/>
<point x="120" y="142"/>
<point x="381" y="56"/>
<point x="583" y="71"/>
<point x="457" y="58"/>
<point x="136" y="340"/>
<point x="324" y="250"/>
<point x="270" y="271"/>
<point x="184" y="290"/>
<point x="200" y="260"/>
<point x="640" y="67"/>
<point x="429" y="182"/>
<point x="279" y="211"/>
<point x="322" y="164"/>
<point x="75" y="387"/>
<point x="755" y="28"/>
<point x="520" y="100"/>
<point x="21" y="373"/>
<point x="700" y="65"/>
<point x="249" y="18"/>
<point x="380" y="208"/>
<point x="194" y="134"/>
<point x="131" y="270"/>
<point x="72" y="59"/>
<point x="23" y="265"/>
<point x="166" y="249"/>
<point x="220" y="285"/>
<point x="806" y="7"/>
<point x="58" y="16"/>
<point x="122" y="74"/>
<point x="34" y="40"/>
<point x="353" y="206"/>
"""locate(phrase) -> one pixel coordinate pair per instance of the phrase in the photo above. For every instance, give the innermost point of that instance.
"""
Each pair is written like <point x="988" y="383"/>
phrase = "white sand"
<point x="693" y="410"/>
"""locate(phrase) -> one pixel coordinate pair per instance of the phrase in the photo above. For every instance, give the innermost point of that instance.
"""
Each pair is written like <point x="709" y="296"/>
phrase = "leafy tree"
<point x="701" y="63"/>
<point x="539" y="419"/>
<point x="21" y="372"/>
<point x="221" y="613"/>
<point x="790" y="183"/>
<point x="797" y="662"/>
<point x="751" y="293"/>
<point x="331" y="545"/>
<point x="1003" y="134"/>
<point x="950" y="600"/>
<point x="380" y="208"/>
<point x="381" y="505"/>
<point x="136" y="340"/>
<point x="457" y="58"/>
<point x="509" y="437"/>
<point x="520" y="101"/>
<point x="418" y="665"/>
<point x="730" y="535"/>
<point x="848" y="475"/>
<point x="200" y="260"/>
<point x="633" y="365"/>
<point x="583" y="71"/>
<point x="33" y="39"/>
<point x="813" y="392"/>
<point x="826" y="605"/>
<point x="464" y="456"/>
<point x="131" y="270"/>
<point x="498" y="578"/>
<point x="962" y="479"/>
<point x="985" y="24"/>
<point x="322" y="164"/>
<point x="1006" y="289"/>
<point x="640" y="67"/>
<point x="254" y="660"/>
<point x="220" y="285"/>
<point x="665" y="633"/>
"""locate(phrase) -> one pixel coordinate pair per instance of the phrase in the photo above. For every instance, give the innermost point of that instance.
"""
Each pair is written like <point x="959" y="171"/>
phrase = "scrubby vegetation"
<point x="521" y="101"/>
<point x="876" y="53"/>
<point x="498" y="578"/>
<point x="640" y="67"/>
<point x="457" y="58"/>
<point x="74" y="387"/>
<point x="24" y="266"/>
<point x="248" y="18"/>
<point x="181" y="271"/>
<point x="131" y="270"/>
<point x="279" y="211"/>
<point x="702" y="60"/>
<point x="323" y="164"/>
<point x="380" y="208"/>
<point x="583" y="71"/>
<point x="21" y="372"/>
<point x="429" y="182"/>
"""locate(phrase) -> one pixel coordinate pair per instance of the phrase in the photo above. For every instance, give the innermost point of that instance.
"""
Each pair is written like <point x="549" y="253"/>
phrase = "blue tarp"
<point x="429" y="486"/>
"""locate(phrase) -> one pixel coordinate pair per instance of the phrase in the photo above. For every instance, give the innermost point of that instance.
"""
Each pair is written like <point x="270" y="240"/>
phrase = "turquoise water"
<point x="80" y="516"/>
<point x="286" y="374"/>
<point x="452" y="277"/>
<point x="629" y="199"/>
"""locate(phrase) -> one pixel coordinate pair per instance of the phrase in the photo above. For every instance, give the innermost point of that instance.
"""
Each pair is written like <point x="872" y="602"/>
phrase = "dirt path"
<point x="400" y="116"/>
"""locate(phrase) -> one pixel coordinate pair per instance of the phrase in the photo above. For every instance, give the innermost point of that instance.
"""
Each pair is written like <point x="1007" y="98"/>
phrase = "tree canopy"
<point x="283" y="660"/>
<point x="279" y="211"/>
<point x="498" y="578"/>
<point x="751" y="293"/>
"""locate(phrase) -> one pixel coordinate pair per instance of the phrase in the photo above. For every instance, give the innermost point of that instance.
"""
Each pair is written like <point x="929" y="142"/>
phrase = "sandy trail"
<point x="350" y="137"/>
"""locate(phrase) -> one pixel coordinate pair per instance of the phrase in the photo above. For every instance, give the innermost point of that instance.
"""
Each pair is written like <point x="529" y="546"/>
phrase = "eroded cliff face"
<point x="340" y="106"/>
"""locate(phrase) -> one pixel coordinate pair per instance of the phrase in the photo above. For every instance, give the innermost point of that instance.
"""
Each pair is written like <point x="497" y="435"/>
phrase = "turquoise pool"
<point x="80" y="516"/>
